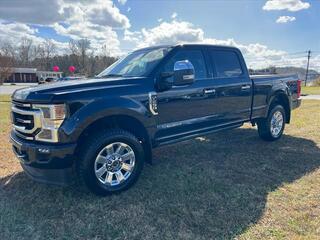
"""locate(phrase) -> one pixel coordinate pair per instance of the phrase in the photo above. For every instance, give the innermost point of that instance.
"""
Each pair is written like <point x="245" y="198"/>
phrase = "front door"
<point x="184" y="110"/>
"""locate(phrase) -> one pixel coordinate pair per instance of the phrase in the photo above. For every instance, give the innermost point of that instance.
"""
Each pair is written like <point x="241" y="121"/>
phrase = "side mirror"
<point x="183" y="73"/>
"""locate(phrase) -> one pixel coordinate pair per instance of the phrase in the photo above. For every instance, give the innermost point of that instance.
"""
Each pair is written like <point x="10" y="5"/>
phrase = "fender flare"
<point x="98" y="109"/>
<point x="287" y="104"/>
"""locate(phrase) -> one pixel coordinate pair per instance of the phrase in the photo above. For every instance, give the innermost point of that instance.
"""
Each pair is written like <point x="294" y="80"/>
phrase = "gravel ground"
<point x="311" y="97"/>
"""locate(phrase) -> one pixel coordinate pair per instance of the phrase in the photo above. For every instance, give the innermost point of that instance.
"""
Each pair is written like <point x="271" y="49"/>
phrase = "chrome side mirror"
<point x="183" y="73"/>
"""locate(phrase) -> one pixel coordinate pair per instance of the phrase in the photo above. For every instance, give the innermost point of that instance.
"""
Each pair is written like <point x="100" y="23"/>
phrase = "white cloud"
<point x="95" y="19"/>
<point x="170" y="32"/>
<point x="160" y="20"/>
<point x="290" y="5"/>
<point x="98" y="36"/>
<point x="184" y="32"/>
<point x="285" y="19"/>
<point x="134" y="37"/>
<point x="14" y="32"/>
<point x="123" y="2"/>
<point x="174" y="15"/>
<point x="257" y="55"/>
<point x="31" y="11"/>
<point x="99" y="12"/>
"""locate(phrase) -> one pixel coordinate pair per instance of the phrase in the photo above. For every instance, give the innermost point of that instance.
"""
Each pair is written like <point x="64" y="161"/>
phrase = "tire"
<point x="88" y="167"/>
<point x="267" y="126"/>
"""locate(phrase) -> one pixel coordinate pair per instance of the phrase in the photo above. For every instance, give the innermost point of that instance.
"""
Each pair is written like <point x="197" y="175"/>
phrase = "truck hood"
<point x="46" y="92"/>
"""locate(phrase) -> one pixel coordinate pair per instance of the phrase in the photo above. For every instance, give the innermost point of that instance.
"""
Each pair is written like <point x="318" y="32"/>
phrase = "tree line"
<point x="45" y="55"/>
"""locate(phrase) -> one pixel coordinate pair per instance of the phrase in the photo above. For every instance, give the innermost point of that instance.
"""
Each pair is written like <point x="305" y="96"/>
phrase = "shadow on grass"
<point x="210" y="187"/>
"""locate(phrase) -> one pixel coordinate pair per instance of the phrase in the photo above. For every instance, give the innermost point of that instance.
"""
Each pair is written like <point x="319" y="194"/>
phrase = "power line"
<point x="297" y="53"/>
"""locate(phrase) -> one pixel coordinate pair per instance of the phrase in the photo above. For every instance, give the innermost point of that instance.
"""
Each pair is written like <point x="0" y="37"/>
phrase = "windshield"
<point x="136" y="64"/>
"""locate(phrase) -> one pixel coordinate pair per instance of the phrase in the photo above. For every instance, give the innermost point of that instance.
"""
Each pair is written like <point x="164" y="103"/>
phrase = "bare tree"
<point x="80" y="55"/>
<point x="43" y="53"/>
<point x="24" y="51"/>
<point x="43" y="56"/>
<point x="7" y="61"/>
<point x="6" y="68"/>
<point x="49" y="49"/>
<point x="73" y="47"/>
<point x="83" y="48"/>
<point x="39" y="57"/>
<point x="7" y="49"/>
<point x="74" y="54"/>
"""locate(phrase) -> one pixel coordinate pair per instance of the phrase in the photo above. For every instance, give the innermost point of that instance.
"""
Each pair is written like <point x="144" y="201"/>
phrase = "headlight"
<point x="52" y="117"/>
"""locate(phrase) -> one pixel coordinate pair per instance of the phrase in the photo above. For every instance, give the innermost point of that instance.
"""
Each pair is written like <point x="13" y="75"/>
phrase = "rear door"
<point x="233" y="87"/>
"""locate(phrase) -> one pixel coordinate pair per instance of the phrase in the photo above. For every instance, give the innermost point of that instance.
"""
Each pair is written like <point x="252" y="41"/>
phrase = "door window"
<point x="226" y="63"/>
<point x="194" y="56"/>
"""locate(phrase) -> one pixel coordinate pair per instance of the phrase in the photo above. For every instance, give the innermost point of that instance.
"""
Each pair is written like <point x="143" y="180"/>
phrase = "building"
<point x="22" y="75"/>
<point x="48" y="75"/>
<point x="31" y="75"/>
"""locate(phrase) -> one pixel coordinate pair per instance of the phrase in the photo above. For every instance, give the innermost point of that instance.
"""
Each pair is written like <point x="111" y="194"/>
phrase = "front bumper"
<point x="46" y="163"/>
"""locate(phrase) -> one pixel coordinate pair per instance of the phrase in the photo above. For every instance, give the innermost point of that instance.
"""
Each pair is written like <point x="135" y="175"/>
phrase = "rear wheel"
<point x="112" y="162"/>
<point x="272" y="127"/>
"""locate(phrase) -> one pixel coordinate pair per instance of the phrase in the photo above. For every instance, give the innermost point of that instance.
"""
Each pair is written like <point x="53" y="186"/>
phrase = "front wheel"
<point x="272" y="127"/>
<point x="112" y="162"/>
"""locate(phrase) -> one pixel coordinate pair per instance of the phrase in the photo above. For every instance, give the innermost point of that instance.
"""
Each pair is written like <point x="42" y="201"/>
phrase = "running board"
<point x="183" y="137"/>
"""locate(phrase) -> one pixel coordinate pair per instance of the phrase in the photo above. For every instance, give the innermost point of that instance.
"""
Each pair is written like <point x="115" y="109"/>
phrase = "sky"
<point x="268" y="32"/>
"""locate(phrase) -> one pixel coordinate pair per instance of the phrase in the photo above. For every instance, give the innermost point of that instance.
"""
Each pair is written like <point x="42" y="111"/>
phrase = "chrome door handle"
<point x="245" y="87"/>
<point x="209" y="91"/>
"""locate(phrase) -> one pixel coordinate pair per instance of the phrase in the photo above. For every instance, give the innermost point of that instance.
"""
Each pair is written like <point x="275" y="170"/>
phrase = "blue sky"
<point x="267" y="31"/>
<point x="243" y="20"/>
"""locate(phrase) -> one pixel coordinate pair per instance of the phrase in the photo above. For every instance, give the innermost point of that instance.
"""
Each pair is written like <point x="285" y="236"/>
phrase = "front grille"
<point x="25" y="120"/>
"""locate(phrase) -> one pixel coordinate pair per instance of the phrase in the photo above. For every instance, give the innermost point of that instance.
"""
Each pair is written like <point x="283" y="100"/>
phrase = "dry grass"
<point x="5" y="98"/>
<point x="311" y="90"/>
<point x="223" y="186"/>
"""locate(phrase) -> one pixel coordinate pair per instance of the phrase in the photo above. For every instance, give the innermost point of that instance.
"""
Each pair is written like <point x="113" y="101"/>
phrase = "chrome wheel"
<point x="276" y="123"/>
<point x="114" y="163"/>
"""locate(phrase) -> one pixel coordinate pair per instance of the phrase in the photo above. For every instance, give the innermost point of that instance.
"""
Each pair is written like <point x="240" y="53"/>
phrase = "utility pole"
<point x="307" y="72"/>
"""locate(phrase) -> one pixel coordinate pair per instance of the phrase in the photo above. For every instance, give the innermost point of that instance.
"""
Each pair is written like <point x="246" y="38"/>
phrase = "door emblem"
<point x="153" y="104"/>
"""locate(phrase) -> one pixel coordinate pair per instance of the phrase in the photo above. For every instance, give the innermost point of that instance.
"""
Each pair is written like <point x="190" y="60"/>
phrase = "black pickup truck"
<point x="100" y="131"/>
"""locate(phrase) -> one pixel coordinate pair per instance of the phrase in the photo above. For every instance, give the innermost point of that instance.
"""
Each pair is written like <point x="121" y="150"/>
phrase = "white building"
<point x="31" y="75"/>
<point x="48" y="75"/>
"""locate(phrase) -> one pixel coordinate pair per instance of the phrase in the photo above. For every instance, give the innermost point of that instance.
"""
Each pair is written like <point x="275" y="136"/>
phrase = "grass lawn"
<point x="311" y="90"/>
<point x="5" y="98"/>
<point x="223" y="186"/>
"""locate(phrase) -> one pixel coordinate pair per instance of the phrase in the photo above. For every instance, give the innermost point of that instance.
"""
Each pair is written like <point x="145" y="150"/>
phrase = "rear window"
<point x="226" y="63"/>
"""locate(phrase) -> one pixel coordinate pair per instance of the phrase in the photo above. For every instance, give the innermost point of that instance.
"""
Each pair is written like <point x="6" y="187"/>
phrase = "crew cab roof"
<point x="187" y="45"/>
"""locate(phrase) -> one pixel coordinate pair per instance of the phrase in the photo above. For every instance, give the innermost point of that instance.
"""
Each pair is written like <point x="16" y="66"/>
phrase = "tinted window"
<point x="226" y="63"/>
<point x="194" y="56"/>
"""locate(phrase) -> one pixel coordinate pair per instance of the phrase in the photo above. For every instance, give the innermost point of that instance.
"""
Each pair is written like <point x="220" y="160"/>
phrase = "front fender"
<point x="95" y="110"/>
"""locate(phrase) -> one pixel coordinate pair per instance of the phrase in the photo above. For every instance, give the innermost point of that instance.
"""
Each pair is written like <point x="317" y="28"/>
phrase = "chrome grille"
<point x="25" y="120"/>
